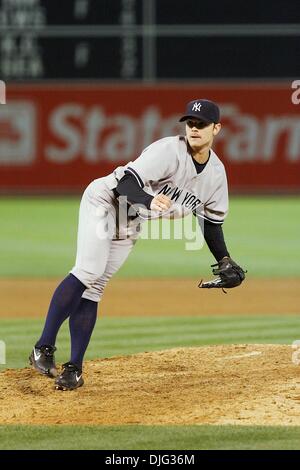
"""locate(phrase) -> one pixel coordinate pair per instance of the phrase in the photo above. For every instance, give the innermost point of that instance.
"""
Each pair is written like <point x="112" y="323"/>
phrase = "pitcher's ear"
<point x="217" y="128"/>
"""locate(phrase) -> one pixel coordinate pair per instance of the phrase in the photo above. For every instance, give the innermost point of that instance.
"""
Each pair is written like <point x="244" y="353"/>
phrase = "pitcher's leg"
<point x="95" y="232"/>
<point x="119" y="252"/>
<point x="92" y="253"/>
<point x="65" y="299"/>
<point x="83" y="319"/>
<point x="91" y="259"/>
<point x="81" y="325"/>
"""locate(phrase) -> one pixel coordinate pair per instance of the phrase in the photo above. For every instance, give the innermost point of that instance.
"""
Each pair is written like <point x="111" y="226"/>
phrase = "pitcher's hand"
<point x="160" y="203"/>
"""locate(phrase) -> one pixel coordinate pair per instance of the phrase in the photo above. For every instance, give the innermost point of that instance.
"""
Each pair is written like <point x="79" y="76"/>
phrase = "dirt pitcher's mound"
<point x="235" y="384"/>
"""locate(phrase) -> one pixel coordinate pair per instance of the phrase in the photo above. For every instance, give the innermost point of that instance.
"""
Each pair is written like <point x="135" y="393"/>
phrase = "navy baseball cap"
<point x="206" y="110"/>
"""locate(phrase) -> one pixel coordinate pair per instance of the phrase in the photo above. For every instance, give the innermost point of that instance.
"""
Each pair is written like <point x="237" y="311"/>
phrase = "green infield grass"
<point x="38" y="239"/>
<point x="150" y="437"/>
<point x="118" y="336"/>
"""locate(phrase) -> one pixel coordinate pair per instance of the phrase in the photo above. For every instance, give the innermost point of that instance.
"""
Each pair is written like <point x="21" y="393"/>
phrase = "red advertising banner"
<point x="57" y="138"/>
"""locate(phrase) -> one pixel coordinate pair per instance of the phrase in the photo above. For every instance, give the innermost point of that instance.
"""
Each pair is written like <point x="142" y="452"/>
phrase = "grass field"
<point x="39" y="236"/>
<point x="38" y="239"/>
<point x="118" y="336"/>
<point x="150" y="437"/>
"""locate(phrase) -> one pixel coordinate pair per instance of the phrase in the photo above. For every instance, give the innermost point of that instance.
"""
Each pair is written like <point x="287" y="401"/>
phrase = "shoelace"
<point x="71" y="367"/>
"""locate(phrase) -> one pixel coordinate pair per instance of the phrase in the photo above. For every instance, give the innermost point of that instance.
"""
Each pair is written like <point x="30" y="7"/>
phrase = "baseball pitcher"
<point x="172" y="177"/>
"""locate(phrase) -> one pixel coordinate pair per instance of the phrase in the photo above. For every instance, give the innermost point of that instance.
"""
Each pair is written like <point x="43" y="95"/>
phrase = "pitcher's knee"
<point x="95" y="292"/>
<point x="87" y="278"/>
<point x="92" y="294"/>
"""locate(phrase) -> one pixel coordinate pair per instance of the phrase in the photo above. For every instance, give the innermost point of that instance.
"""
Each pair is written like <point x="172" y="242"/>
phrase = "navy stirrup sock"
<point x="64" y="301"/>
<point x="81" y="323"/>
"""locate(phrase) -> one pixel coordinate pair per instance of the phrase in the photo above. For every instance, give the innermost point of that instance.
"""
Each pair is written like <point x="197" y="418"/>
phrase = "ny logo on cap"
<point x="196" y="107"/>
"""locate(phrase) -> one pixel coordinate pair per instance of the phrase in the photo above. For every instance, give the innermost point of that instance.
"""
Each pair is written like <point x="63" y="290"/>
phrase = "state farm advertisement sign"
<point x="57" y="138"/>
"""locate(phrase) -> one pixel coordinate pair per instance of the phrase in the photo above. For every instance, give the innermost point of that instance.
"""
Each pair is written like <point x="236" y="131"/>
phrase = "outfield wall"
<point x="58" y="137"/>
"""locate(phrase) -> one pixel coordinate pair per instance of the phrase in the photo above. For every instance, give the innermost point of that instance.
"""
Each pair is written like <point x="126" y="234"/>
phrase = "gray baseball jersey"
<point x="164" y="167"/>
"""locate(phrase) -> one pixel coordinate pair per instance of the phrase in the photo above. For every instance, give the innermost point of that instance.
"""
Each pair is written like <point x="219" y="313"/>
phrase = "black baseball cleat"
<point x="70" y="378"/>
<point x="42" y="359"/>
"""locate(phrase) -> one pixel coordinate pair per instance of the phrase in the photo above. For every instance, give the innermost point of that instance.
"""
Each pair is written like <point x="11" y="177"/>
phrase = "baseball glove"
<point x="229" y="274"/>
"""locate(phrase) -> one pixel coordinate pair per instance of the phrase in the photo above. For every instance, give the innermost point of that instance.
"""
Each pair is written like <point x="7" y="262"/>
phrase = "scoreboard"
<point x="70" y="39"/>
<point x="148" y="39"/>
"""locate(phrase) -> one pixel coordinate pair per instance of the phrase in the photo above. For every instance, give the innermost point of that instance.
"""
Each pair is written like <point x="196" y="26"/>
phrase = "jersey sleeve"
<point x="128" y="186"/>
<point x="215" y="209"/>
<point x="156" y="162"/>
